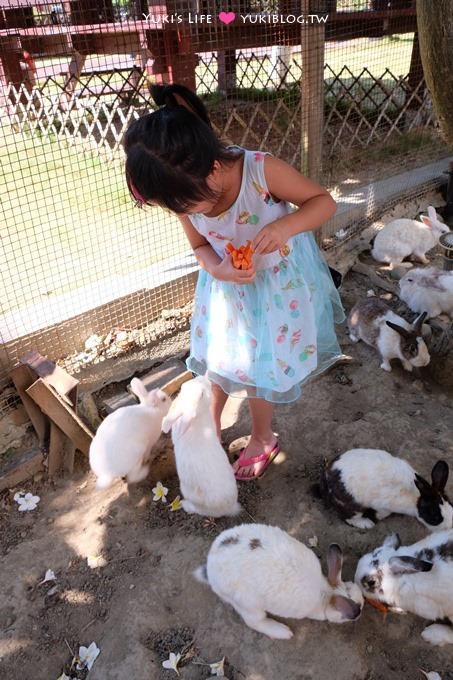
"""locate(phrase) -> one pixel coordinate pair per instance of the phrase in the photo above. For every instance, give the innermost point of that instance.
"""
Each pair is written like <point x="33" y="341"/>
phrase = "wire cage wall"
<point x="334" y="88"/>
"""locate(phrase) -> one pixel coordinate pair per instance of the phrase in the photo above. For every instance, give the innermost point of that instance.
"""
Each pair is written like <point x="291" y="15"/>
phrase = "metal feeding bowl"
<point x="446" y="243"/>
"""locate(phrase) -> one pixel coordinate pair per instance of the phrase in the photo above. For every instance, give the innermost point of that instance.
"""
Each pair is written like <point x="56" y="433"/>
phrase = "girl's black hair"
<point x="171" y="151"/>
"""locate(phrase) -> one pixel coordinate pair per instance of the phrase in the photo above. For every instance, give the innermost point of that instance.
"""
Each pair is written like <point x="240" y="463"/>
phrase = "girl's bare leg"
<point x="262" y="439"/>
<point x="218" y="401"/>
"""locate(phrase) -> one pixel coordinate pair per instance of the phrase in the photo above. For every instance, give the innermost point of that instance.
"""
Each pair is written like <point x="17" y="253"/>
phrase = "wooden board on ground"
<point x="169" y="376"/>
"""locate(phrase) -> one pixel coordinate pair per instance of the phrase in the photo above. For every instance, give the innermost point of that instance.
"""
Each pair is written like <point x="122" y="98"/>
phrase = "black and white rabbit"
<point x="417" y="578"/>
<point x="428" y="289"/>
<point x="123" y="441"/>
<point x="366" y="485"/>
<point x="206" y="477"/>
<point x="403" y="237"/>
<point x="372" y="321"/>
<point x="239" y="567"/>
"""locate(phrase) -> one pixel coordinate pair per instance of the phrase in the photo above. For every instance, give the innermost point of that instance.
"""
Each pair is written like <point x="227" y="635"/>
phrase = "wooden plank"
<point x="52" y="375"/>
<point x="61" y="452"/>
<point x="21" y="468"/>
<point x="60" y="413"/>
<point x="173" y="385"/>
<point x="169" y="377"/>
<point x="23" y="377"/>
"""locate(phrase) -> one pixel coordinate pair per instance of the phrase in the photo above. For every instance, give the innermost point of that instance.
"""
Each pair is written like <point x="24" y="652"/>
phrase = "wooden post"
<point x="226" y="66"/>
<point x="312" y="96"/>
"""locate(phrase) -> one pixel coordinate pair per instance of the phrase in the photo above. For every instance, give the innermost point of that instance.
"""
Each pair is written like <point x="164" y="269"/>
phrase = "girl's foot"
<point x="255" y="458"/>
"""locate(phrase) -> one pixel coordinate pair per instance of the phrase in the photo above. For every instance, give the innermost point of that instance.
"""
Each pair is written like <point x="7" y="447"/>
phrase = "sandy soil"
<point x="141" y="602"/>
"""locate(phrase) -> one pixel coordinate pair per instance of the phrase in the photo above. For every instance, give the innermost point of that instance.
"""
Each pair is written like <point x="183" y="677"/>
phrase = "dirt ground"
<point x="140" y="601"/>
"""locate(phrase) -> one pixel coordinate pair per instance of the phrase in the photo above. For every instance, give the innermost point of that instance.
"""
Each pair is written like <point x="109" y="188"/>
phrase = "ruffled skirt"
<point x="272" y="335"/>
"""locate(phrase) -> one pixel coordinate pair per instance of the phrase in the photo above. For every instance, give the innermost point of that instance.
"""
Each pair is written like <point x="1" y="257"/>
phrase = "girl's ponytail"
<point x="179" y="95"/>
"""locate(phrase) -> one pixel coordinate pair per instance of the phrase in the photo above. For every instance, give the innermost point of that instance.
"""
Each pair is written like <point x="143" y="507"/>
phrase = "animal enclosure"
<point x="336" y="89"/>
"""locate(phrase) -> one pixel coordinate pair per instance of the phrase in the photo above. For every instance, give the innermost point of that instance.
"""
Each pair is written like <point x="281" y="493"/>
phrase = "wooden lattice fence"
<point x="264" y="111"/>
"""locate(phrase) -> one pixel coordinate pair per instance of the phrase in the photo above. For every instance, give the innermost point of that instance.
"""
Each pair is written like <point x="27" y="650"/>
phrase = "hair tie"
<point x="136" y="194"/>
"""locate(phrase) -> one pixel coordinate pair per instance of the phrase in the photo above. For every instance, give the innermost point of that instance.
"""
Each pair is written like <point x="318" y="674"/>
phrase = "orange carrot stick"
<point x="242" y="256"/>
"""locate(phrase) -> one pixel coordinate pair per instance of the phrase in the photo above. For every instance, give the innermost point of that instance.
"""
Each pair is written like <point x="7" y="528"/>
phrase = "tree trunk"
<point x="435" y="29"/>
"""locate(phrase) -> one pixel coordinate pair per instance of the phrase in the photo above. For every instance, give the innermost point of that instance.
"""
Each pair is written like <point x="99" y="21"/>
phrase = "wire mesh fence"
<point x="82" y="266"/>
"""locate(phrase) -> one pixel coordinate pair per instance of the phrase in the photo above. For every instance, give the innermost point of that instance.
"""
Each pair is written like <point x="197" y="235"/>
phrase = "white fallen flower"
<point x="48" y="576"/>
<point x="370" y="293"/>
<point x="217" y="667"/>
<point x="28" y="502"/>
<point x="175" y="504"/>
<point x="95" y="561"/>
<point x="18" y="494"/>
<point x="431" y="675"/>
<point x="87" y="656"/>
<point x="172" y="662"/>
<point x="160" y="491"/>
<point x="341" y="233"/>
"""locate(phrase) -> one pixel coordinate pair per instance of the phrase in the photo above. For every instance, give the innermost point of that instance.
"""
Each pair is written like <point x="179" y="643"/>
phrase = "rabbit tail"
<point x="201" y="574"/>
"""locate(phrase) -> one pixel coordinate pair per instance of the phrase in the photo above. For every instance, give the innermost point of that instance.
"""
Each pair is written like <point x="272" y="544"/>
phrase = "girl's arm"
<point x="208" y="259"/>
<point x="314" y="205"/>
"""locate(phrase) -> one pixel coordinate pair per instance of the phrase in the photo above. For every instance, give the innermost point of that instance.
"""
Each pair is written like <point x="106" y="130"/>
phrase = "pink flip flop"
<point x="266" y="458"/>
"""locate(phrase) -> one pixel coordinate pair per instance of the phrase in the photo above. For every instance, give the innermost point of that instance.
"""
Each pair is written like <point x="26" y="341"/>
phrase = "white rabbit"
<point x="206" y="477"/>
<point x="428" y="289"/>
<point x="417" y="578"/>
<point x="373" y="321"/>
<point x="366" y="485"/>
<point x="123" y="441"/>
<point x="403" y="237"/>
<point x="239" y="569"/>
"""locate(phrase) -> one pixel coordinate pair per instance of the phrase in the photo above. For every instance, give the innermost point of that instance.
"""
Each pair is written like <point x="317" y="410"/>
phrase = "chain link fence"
<point x="86" y="275"/>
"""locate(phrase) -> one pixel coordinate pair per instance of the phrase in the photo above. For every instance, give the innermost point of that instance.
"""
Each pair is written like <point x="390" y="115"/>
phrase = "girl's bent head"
<point x="171" y="152"/>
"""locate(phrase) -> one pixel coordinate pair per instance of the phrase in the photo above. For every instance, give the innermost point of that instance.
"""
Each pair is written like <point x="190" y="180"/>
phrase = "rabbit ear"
<point x="334" y="564"/>
<point x="138" y="388"/>
<point x="406" y="564"/>
<point x="439" y="475"/>
<point x="392" y="541"/>
<point x="431" y="219"/>
<point x="423" y="486"/>
<point x="399" y="329"/>
<point x="179" y="412"/>
<point x="418" y="323"/>
<point x="349" y="609"/>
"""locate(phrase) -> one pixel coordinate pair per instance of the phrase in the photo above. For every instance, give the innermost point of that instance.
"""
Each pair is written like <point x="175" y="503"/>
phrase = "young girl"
<point x="265" y="329"/>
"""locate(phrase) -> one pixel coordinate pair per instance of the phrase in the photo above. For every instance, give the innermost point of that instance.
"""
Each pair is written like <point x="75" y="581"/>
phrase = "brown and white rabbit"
<point x="366" y="485"/>
<point x="428" y="289"/>
<point x="239" y="567"/>
<point x="403" y="237"/>
<point x="373" y="321"/>
<point x="206" y="477"/>
<point x="416" y="578"/>
<point x="123" y="441"/>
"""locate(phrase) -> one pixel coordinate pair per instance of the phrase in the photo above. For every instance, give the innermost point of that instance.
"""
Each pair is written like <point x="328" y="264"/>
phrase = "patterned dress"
<point x="269" y="336"/>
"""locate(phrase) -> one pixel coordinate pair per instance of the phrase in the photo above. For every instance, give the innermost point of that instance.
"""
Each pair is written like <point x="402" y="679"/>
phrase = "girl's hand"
<point x="225" y="271"/>
<point x="270" y="238"/>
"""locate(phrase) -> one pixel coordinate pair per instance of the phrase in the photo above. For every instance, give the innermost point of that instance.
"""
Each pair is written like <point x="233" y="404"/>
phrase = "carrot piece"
<point x="242" y="256"/>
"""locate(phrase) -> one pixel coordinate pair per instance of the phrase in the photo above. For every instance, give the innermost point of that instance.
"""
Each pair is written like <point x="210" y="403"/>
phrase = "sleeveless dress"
<point x="270" y="336"/>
